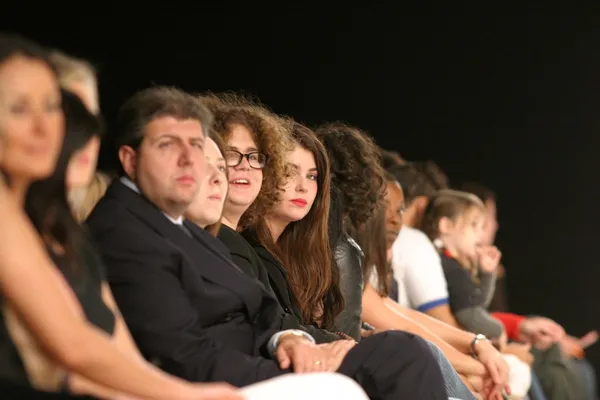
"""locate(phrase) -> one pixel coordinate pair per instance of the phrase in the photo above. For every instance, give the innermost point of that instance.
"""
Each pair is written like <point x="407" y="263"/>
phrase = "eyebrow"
<point x="248" y="149"/>
<point x="175" y="137"/>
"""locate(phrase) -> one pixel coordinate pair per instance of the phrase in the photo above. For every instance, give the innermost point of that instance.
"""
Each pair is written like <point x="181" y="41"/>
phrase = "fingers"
<point x="311" y="359"/>
<point x="588" y="339"/>
<point x="496" y="375"/>
<point x="476" y="383"/>
<point x="283" y="358"/>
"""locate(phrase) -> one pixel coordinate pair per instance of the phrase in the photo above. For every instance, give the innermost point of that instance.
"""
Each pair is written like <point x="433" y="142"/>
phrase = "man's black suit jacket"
<point x="189" y="308"/>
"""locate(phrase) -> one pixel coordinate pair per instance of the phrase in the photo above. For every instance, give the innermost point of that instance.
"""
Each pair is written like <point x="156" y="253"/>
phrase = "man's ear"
<point x="128" y="158"/>
<point x="445" y="225"/>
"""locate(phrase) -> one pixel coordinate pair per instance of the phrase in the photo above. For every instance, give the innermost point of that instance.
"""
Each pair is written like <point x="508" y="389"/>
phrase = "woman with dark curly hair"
<point x="358" y="187"/>
<point x="255" y="178"/>
<point x="353" y="154"/>
<point x="254" y="137"/>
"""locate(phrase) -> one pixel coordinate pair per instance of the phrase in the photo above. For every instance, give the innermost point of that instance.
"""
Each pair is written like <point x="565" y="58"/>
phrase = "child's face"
<point x="466" y="232"/>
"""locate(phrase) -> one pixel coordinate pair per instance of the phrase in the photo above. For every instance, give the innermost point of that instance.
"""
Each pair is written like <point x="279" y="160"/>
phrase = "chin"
<point x="39" y="174"/>
<point x="240" y="201"/>
<point x="296" y="216"/>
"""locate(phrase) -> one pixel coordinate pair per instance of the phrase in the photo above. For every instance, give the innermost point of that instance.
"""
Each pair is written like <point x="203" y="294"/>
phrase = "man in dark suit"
<point x="189" y="308"/>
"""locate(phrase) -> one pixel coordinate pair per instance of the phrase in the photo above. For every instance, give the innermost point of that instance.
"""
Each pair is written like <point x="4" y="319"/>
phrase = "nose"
<point x="394" y="218"/>
<point x="216" y="176"/>
<point x="41" y="123"/>
<point x="301" y="185"/>
<point x="185" y="156"/>
<point x="244" y="165"/>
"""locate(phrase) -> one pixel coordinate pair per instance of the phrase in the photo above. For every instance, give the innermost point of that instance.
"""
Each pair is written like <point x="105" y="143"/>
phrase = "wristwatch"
<point x="478" y="338"/>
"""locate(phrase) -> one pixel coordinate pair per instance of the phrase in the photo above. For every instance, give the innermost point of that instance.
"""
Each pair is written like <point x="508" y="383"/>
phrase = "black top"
<point x="85" y="281"/>
<point x="348" y="258"/>
<point x="278" y="278"/>
<point x="87" y="285"/>
<point x="462" y="290"/>
<point x="245" y="256"/>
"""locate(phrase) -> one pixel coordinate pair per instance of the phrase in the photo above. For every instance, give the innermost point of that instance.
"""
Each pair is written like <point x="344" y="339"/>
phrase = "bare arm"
<point x="377" y="313"/>
<point x="456" y="337"/>
<point x="444" y="314"/>
<point x="54" y="317"/>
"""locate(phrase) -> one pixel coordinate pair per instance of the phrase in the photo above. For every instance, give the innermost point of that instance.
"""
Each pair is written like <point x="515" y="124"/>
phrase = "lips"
<point x="84" y="160"/>
<point x="215" y="197"/>
<point x="299" y="202"/>
<point x="186" y="179"/>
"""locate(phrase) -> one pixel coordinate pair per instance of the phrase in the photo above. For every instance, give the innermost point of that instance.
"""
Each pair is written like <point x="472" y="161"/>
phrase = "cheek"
<point x="224" y="190"/>
<point x="312" y="192"/>
<point x="256" y="174"/>
<point x="56" y="130"/>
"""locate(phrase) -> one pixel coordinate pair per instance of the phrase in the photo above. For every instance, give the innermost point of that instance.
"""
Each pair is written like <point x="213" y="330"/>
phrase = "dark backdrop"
<point x="509" y="101"/>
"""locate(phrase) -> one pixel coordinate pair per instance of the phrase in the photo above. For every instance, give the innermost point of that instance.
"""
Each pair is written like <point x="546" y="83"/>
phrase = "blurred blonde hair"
<point x="75" y="74"/>
<point x="83" y="200"/>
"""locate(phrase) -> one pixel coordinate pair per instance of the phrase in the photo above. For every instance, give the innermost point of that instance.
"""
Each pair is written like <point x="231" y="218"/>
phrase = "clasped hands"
<point x="303" y="356"/>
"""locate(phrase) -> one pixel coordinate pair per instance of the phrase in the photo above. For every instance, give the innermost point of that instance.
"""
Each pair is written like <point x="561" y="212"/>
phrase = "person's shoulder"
<point x="408" y="234"/>
<point x="412" y="241"/>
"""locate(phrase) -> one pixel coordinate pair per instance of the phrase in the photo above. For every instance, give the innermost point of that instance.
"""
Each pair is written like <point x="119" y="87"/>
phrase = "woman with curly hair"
<point x="255" y="146"/>
<point x="357" y="186"/>
<point x="362" y="187"/>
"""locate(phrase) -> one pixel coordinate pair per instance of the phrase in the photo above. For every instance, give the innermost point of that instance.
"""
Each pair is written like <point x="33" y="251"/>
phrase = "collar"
<point x="131" y="185"/>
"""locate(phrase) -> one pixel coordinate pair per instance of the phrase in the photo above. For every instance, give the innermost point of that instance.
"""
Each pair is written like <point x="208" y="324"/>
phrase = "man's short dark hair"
<point x="419" y="179"/>
<point x="148" y="104"/>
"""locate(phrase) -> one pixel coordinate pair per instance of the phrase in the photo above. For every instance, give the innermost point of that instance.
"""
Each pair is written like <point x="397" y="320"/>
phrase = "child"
<point x="454" y="222"/>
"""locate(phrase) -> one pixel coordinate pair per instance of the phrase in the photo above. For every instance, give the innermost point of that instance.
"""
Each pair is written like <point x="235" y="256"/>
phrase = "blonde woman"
<point x="79" y="77"/>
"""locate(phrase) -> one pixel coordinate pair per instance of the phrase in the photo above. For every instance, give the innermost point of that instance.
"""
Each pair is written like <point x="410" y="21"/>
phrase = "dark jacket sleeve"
<point x="252" y="265"/>
<point x="348" y="261"/>
<point x="146" y="286"/>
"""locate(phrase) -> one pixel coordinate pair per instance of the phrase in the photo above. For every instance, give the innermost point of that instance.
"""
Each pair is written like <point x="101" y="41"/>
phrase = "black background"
<point x="510" y="101"/>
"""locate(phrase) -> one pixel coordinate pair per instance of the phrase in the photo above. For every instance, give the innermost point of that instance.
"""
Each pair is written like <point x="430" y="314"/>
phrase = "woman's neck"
<point x="231" y="220"/>
<point x="276" y="227"/>
<point x="19" y="188"/>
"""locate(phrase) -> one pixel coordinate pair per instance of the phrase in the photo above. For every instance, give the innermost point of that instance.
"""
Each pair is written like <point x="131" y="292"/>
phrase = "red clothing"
<point x="511" y="322"/>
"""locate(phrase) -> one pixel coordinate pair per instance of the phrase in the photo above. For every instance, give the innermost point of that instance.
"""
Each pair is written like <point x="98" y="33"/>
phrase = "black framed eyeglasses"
<point x="256" y="160"/>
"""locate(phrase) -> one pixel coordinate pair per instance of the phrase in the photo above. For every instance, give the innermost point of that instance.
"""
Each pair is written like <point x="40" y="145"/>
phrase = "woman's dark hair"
<point x="355" y="170"/>
<point x="421" y="178"/>
<point x="46" y="203"/>
<point x="303" y="248"/>
<point x="12" y="45"/>
<point x="372" y="239"/>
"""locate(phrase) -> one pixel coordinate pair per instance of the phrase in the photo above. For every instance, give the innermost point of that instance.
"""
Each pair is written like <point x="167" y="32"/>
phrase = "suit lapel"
<point x="216" y="268"/>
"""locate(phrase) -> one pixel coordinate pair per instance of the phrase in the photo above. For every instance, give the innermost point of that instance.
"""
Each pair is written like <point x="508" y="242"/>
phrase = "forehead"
<point x="394" y="192"/>
<point x="241" y="138"/>
<point x="183" y="129"/>
<point x="302" y="157"/>
<point x="472" y="213"/>
<point x="22" y="76"/>
<point x="211" y="150"/>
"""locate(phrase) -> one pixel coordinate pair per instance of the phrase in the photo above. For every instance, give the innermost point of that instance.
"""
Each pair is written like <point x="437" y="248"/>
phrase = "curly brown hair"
<point x="356" y="170"/>
<point x="272" y="138"/>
